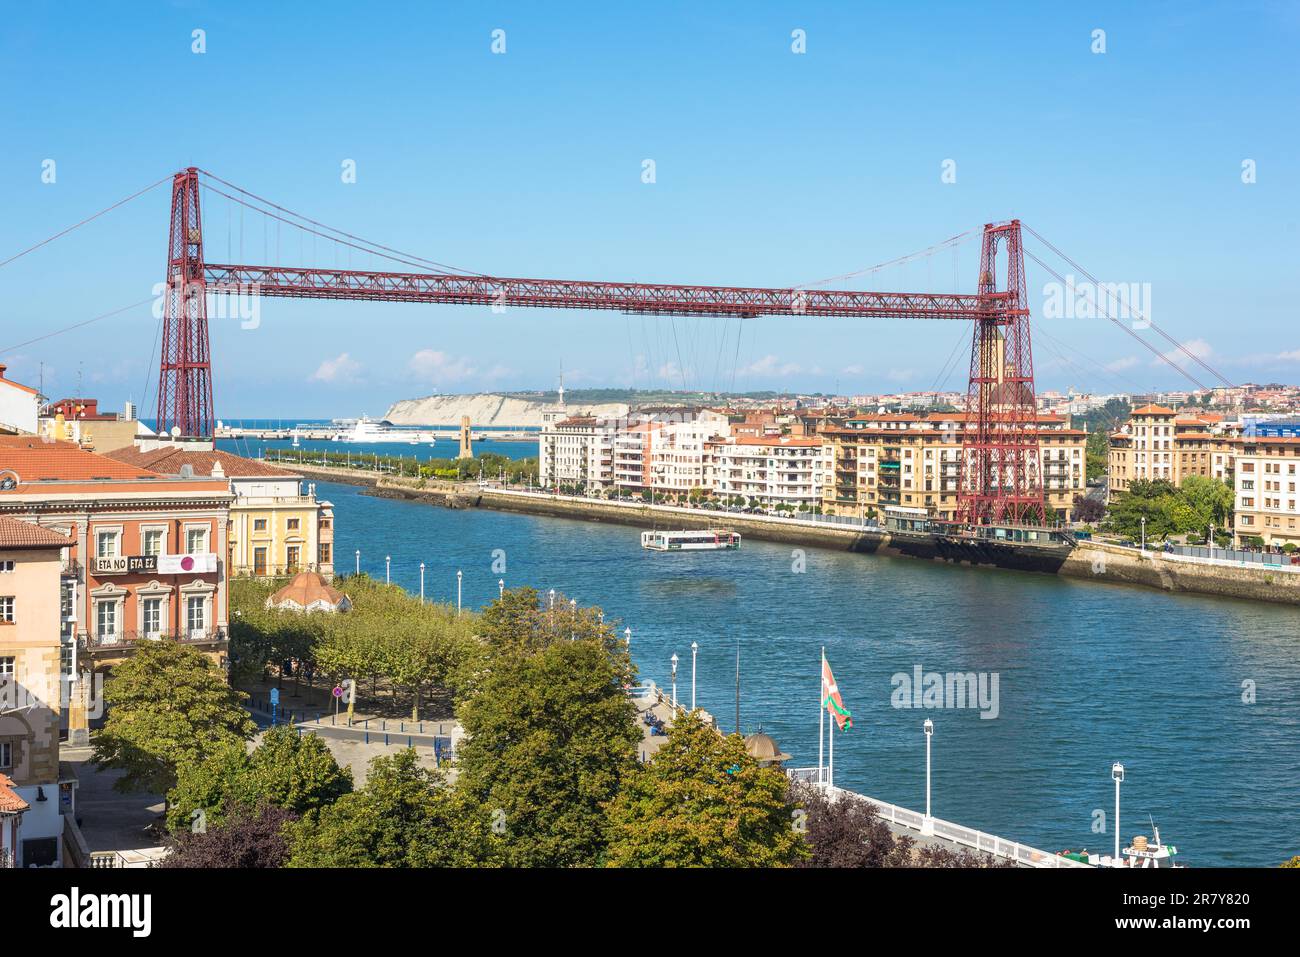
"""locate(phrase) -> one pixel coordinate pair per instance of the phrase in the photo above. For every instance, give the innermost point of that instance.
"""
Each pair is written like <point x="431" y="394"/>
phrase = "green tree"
<point x="168" y="707"/>
<point x="286" y="770"/>
<point x="702" y="801"/>
<point x="550" y="730"/>
<point x="405" y="816"/>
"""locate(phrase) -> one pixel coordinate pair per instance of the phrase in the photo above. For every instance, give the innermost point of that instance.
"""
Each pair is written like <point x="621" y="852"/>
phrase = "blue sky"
<point x="772" y="168"/>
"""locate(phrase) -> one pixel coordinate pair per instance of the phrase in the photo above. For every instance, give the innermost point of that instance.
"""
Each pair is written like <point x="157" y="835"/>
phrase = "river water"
<point x="1087" y="673"/>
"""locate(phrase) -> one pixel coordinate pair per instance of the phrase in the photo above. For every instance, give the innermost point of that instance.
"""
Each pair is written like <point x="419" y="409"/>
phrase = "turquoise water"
<point x="1088" y="673"/>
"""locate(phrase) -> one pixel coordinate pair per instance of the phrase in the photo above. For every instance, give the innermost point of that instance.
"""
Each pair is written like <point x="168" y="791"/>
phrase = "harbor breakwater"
<point x="1093" y="561"/>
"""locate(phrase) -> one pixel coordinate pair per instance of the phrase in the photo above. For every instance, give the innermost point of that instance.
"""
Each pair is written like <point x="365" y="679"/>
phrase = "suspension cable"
<point x="64" y="232"/>
<point x="1111" y="295"/>
<point x="373" y="247"/>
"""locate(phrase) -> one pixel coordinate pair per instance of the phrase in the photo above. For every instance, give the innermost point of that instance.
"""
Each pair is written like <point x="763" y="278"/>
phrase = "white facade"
<point x="18" y="406"/>
<point x="782" y="470"/>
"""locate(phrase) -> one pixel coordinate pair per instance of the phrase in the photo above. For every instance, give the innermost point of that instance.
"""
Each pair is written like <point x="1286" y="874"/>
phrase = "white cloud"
<point x="342" y="368"/>
<point x="770" y="365"/>
<point x="899" y="375"/>
<point x="439" y="367"/>
<point x="1197" y="347"/>
<point x="1119" y="365"/>
<point x="851" y="370"/>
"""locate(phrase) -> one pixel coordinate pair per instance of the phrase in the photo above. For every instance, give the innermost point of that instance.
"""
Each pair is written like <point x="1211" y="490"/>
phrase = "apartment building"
<point x="148" y="552"/>
<point x="779" y="470"/>
<point x="1265" y="496"/>
<point x="1159" y="443"/>
<point x="578" y="452"/>
<point x="276" y="527"/>
<point x="680" y="459"/>
<point x="914" y="461"/>
<point x="33" y="798"/>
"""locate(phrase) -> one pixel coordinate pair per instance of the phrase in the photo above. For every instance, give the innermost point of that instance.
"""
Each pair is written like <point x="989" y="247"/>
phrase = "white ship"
<point x="713" y="539"/>
<point x="368" y="430"/>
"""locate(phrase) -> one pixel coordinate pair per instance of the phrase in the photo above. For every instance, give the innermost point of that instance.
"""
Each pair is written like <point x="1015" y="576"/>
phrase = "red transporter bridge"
<point x="999" y="464"/>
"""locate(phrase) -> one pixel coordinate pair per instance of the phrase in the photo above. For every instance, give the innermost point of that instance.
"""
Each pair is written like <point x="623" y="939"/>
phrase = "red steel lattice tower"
<point x="999" y="460"/>
<point x="185" y="373"/>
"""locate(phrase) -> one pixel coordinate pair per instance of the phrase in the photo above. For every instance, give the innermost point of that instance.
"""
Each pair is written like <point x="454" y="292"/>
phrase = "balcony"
<point x="126" y="639"/>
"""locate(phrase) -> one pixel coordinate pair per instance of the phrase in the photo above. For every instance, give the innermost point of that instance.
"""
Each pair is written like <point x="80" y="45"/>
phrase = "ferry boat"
<point x="368" y="430"/>
<point x="700" y="540"/>
<point x="1143" y="852"/>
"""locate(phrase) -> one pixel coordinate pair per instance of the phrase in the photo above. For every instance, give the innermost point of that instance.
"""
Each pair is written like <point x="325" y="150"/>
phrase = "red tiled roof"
<point x="10" y="802"/>
<point x="34" y="458"/>
<point x="168" y="461"/>
<point x="306" y="588"/>
<point x="16" y="534"/>
<point x="1154" y="410"/>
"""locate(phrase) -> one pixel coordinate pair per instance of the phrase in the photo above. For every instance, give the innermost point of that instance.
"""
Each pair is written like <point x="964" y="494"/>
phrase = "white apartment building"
<point x="577" y="451"/>
<point x="680" y="458"/>
<point x="775" y="470"/>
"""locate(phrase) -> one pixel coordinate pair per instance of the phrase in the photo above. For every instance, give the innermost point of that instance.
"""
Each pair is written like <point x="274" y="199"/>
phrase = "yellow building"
<point x="1159" y="443"/>
<point x="914" y="461"/>
<point x="276" y="528"/>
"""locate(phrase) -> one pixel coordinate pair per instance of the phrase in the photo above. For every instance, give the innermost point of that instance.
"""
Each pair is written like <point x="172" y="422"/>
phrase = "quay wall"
<point x="1093" y="561"/>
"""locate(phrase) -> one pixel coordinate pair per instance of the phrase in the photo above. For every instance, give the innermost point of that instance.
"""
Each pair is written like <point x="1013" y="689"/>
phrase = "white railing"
<point x="1223" y="562"/>
<point x="954" y="833"/>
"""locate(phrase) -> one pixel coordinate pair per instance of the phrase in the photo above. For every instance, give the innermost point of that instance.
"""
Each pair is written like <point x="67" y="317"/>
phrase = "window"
<point x="106" y="544"/>
<point x="151" y="616"/>
<point x="7" y="565"/>
<point x="259" y="524"/>
<point x="106" y="619"/>
<point x="6" y="754"/>
<point x="196" y="615"/>
<point x="292" y="556"/>
<point x="293" y="524"/>
<point x="196" y="541"/>
<point x="325" y="553"/>
<point x="153" y="541"/>
<point x="7" y="665"/>
<point x="7" y="609"/>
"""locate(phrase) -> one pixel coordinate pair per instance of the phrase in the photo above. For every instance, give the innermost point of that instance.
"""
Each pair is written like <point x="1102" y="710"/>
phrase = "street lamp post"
<point x="674" y="661"/>
<point x="388" y="569"/>
<point x="501" y="588"/>
<point x="1210" y="541"/>
<point x="1144" y="533"/>
<point x="573" y="619"/>
<point x="459" y="576"/>
<point x="627" y="636"/>
<point x="1117" y="772"/>
<point x="421" y="583"/>
<point x="358" y="561"/>
<point x="694" y="651"/>
<point x="927" y="825"/>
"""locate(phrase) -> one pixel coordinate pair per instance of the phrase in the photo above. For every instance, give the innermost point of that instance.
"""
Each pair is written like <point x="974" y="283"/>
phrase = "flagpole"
<point x="830" y="764"/>
<point x="821" y="721"/>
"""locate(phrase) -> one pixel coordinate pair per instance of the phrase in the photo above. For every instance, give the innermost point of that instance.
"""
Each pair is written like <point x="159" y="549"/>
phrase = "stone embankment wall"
<point x="1093" y="561"/>
<point x="1100" y="562"/>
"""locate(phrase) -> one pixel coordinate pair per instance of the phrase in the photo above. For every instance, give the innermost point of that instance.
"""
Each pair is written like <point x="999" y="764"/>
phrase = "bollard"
<point x="367" y="737"/>
<point x="383" y="724"/>
<point x="332" y="717"/>
<point x="408" y="741"/>
<point x="401" y="726"/>
<point x="422" y="727"/>
<point x="385" y="739"/>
